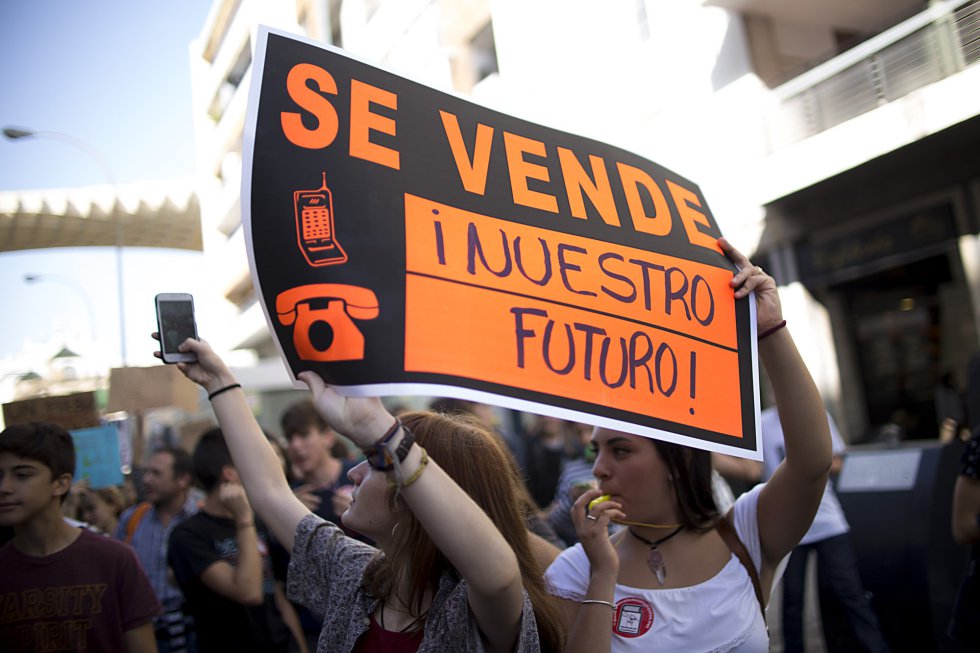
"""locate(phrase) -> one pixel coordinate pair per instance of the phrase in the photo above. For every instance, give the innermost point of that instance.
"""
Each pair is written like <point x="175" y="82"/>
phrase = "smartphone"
<point x="175" y="323"/>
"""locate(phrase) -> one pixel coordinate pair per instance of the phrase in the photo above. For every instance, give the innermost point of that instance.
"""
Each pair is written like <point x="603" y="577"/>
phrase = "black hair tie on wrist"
<point x="224" y="389"/>
<point x="768" y="332"/>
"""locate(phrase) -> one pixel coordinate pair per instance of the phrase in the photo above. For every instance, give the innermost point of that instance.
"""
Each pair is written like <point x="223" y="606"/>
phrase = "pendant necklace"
<point x="656" y="559"/>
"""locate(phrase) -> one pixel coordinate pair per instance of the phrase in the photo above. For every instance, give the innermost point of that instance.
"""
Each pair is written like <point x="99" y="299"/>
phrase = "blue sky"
<point x="115" y="74"/>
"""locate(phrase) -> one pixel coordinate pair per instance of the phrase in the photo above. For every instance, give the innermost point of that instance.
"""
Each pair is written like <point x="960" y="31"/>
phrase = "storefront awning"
<point x="164" y="213"/>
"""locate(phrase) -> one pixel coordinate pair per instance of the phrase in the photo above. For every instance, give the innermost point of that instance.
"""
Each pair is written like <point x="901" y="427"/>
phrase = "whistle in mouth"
<point x="598" y="500"/>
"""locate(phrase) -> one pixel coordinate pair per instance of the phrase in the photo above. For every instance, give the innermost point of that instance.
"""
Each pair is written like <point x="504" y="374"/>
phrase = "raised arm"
<point x="256" y="462"/>
<point x="588" y="620"/>
<point x="457" y="525"/>
<point x="241" y="582"/>
<point x="790" y="498"/>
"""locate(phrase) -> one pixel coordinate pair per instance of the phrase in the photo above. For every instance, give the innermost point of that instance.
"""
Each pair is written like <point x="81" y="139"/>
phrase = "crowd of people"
<point x="368" y="529"/>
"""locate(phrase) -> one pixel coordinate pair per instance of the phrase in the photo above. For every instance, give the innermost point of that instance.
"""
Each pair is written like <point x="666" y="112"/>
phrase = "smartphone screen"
<point x="175" y="321"/>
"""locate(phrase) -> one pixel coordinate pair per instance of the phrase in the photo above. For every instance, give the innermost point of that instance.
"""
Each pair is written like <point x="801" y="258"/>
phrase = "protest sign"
<point x="72" y="411"/>
<point x="404" y="240"/>
<point x="97" y="458"/>
<point x="136" y="389"/>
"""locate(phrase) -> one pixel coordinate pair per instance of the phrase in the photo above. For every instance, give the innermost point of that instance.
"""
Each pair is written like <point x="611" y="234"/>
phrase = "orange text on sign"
<point x="525" y="161"/>
<point x="326" y="123"/>
<point x="373" y="129"/>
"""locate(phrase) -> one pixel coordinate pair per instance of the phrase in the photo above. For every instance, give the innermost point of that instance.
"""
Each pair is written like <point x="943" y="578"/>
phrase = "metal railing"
<point x="930" y="46"/>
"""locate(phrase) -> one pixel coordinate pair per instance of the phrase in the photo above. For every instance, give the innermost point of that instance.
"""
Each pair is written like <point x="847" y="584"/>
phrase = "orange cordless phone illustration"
<point x="314" y="226"/>
<point x="344" y="304"/>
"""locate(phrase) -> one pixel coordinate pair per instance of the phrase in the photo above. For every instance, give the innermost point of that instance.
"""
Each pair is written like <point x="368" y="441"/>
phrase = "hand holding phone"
<point x="175" y="323"/>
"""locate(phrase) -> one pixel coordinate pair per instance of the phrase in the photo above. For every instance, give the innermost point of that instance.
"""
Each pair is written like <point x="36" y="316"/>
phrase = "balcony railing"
<point x="930" y="46"/>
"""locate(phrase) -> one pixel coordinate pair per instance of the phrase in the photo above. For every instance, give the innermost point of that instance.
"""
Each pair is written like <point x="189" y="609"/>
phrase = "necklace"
<point x="639" y="523"/>
<point x="656" y="559"/>
<point x="412" y="625"/>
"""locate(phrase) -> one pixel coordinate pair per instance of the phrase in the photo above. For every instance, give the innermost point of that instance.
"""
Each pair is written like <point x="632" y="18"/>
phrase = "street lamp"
<point x="16" y="134"/>
<point x="57" y="278"/>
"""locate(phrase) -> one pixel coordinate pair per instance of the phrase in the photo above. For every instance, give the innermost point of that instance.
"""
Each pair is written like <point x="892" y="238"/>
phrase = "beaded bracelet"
<point x="415" y="475"/>
<point x="768" y="332"/>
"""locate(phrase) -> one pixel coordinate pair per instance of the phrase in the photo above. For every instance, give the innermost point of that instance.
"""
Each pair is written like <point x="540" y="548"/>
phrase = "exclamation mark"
<point x="440" y="243"/>
<point x="694" y="361"/>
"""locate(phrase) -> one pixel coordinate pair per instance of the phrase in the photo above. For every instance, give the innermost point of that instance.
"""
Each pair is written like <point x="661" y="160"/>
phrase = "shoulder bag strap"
<point x="134" y="521"/>
<point x="728" y="534"/>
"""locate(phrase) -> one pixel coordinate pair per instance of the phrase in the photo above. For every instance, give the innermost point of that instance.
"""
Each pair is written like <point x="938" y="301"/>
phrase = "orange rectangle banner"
<point x="520" y="327"/>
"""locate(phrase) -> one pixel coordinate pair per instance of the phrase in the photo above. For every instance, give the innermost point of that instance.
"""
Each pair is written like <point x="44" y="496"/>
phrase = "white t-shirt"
<point x="829" y="520"/>
<point x="718" y="615"/>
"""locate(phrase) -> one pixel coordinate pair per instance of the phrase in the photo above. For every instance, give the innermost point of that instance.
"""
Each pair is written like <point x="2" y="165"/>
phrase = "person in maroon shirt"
<point x="63" y="588"/>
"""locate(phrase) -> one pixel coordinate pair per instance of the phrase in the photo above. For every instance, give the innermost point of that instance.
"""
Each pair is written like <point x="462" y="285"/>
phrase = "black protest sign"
<point x="407" y="241"/>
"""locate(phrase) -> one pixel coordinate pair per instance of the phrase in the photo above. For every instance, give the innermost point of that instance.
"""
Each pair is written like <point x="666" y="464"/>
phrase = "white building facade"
<point x="833" y="140"/>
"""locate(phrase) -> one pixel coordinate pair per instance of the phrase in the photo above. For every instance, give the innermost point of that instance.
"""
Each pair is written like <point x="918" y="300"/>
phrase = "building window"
<point x="336" y="37"/>
<point x="237" y="72"/>
<point x="484" y="53"/>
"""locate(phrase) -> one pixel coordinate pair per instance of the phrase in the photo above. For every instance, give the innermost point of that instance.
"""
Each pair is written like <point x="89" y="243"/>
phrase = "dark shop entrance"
<point x="896" y="324"/>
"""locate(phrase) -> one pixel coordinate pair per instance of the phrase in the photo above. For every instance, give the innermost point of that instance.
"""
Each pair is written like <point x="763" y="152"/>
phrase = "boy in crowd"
<point x="62" y="587"/>
<point x="147" y="527"/>
<point x="221" y="562"/>
<point x="317" y="455"/>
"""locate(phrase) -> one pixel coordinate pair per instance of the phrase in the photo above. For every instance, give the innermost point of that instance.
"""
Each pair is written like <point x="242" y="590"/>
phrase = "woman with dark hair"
<point x="681" y="576"/>
<point x="453" y="569"/>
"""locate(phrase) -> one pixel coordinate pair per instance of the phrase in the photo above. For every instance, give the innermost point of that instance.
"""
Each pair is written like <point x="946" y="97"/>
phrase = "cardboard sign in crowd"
<point x="404" y="240"/>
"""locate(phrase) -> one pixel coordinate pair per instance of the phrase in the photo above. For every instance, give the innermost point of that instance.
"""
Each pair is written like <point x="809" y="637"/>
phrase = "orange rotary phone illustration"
<point x="314" y="226"/>
<point x="344" y="304"/>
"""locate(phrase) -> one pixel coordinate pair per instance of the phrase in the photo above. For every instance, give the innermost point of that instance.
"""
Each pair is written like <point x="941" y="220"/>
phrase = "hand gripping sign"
<point x="406" y="241"/>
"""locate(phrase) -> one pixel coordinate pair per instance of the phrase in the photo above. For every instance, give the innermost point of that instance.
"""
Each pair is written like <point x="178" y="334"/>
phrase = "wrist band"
<point x="597" y="602"/>
<point x="415" y="475"/>
<point x="768" y="332"/>
<point x="224" y="389"/>
<point x="245" y="525"/>
<point x="380" y="457"/>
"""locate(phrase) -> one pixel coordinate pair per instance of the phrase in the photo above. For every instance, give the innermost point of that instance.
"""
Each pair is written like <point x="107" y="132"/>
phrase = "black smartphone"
<point x="175" y="323"/>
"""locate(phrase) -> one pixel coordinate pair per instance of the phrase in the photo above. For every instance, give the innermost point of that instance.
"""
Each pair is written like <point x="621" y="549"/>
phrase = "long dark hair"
<point x="691" y="472"/>
<point x="479" y="463"/>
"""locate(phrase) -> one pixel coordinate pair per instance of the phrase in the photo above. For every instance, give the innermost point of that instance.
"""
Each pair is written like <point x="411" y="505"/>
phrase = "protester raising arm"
<point x="458" y="527"/>
<point x="790" y="498"/>
<point x="256" y="462"/>
<point x="676" y="578"/>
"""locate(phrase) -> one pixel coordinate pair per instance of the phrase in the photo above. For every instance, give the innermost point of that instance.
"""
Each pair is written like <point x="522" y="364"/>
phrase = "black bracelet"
<point x="224" y="389"/>
<point x="408" y="439"/>
<point x="380" y="457"/>
<point x="768" y="332"/>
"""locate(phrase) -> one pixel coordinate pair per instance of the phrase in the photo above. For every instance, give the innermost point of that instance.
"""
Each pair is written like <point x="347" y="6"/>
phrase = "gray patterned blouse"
<point x="325" y="575"/>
